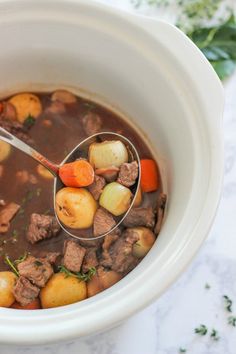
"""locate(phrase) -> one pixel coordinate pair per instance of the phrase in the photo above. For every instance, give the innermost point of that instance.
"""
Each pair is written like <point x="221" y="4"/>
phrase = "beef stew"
<point x="41" y="266"/>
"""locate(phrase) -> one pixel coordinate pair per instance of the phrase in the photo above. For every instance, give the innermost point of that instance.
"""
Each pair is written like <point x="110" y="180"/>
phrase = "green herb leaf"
<point x="182" y="350"/>
<point x="81" y="276"/>
<point x="218" y="44"/>
<point x="29" y="121"/>
<point x="38" y="263"/>
<point x="214" y="334"/>
<point x="207" y="286"/>
<point x="21" y="258"/>
<point x="232" y="321"/>
<point x="11" y="264"/>
<point x="228" y="303"/>
<point x="202" y="330"/>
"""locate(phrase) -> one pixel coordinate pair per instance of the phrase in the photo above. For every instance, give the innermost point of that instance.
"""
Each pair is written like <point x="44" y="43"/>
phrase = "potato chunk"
<point x="5" y="150"/>
<point x="26" y="104"/>
<point x="75" y="207"/>
<point x="102" y="280"/>
<point x="61" y="290"/>
<point x="7" y="281"/>
<point x="43" y="172"/>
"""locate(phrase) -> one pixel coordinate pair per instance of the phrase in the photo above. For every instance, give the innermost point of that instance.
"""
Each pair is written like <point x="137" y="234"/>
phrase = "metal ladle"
<point x="79" y="151"/>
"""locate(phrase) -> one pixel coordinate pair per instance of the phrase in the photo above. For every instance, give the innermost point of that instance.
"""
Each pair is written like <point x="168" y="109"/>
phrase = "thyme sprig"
<point x="228" y="303"/>
<point x="11" y="264"/>
<point x="232" y="321"/>
<point x="214" y="334"/>
<point x="201" y="330"/>
<point x="81" y="276"/>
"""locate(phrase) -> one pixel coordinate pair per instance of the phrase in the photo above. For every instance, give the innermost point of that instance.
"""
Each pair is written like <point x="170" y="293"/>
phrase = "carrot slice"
<point x="77" y="174"/>
<point x="149" y="175"/>
<point x="34" y="305"/>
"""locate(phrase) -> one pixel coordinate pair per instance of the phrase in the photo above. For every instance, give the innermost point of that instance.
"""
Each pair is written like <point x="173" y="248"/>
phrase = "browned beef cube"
<point x="103" y="222"/>
<point x="128" y="173"/>
<point x="161" y="203"/>
<point x="90" y="260"/>
<point x="51" y="257"/>
<point x="37" y="270"/>
<point x="140" y="217"/>
<point x="42" y="227"/>
<point x="16" y="129"/>
<point x="24" y="291"/>
<point x="92" y="123"/>
<point x="97" y="186"/>
<point x="108" y="241"/>
<point x="121" y="258"/>
<point x="73" y="255"/>
<point x="6" y="215"/>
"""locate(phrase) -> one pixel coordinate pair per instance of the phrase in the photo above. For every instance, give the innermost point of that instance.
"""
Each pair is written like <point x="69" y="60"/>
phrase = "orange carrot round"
<point x="34" y="305"/>
<point x="149" y="175"/>
<point x="77" y="174"/>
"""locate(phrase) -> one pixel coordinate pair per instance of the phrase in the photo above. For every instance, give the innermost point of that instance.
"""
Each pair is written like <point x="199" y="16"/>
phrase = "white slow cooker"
<point x="152" y="73"/>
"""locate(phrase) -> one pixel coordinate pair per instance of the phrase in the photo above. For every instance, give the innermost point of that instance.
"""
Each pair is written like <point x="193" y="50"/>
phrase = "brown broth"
<point x="54" y="142"/>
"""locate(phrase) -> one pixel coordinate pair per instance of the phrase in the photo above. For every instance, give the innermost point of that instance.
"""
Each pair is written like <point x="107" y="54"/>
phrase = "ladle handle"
<point x="20" y="145"/>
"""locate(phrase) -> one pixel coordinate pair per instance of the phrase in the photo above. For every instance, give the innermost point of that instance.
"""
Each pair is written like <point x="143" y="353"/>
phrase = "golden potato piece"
<point x="62" y="290"/>
<point x="43" y="172"/>
<point x="7" y="281"/>
<point x="63" y="96"/>
<point x="101" y="281"/>
<point x="75" y="207"/>
<point x="145" y="242"/>
<point x="26" y="104"/>
<point x="5" y="150"/>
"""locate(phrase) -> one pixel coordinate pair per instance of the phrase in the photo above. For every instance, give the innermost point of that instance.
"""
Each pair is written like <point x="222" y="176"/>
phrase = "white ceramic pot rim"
<point x="125" y="298"/>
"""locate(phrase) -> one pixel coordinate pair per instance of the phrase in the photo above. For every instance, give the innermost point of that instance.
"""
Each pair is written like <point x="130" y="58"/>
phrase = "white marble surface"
<point x="169" y="323"/>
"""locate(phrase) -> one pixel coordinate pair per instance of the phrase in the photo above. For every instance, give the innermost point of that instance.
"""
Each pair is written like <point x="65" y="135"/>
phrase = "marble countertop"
<point x="169" y="323"/>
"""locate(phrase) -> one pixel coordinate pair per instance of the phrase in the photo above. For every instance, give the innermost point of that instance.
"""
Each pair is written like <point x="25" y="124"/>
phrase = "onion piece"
<point x="107" y="154"/>
<point x="115" y="198"/>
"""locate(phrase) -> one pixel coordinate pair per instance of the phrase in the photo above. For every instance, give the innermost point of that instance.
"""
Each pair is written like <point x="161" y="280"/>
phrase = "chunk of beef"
<point x="42" y="227"/>
<point x="24" y="176"/>
<point x="8" y="111"/>
<point x="108" y="241"/>
<point x="16" y="129"/>
<point x="128" y="173"/>
<point x="90" y="260"/>
<point x="97" y="186"/>
<point x="103" y="222"/>
<point x="6" y="215"/>
<point x="24" y="291"/>
<point x="143" y="216"/>
<point x="92" y="123"/>
<point x="109" y="173"/>
<point x="37" y="270"/>
<point x="73" y="255"/>
<point x="121" y="258"/>
<point x="161" y="203"/>
<point x="50" y="257"/>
